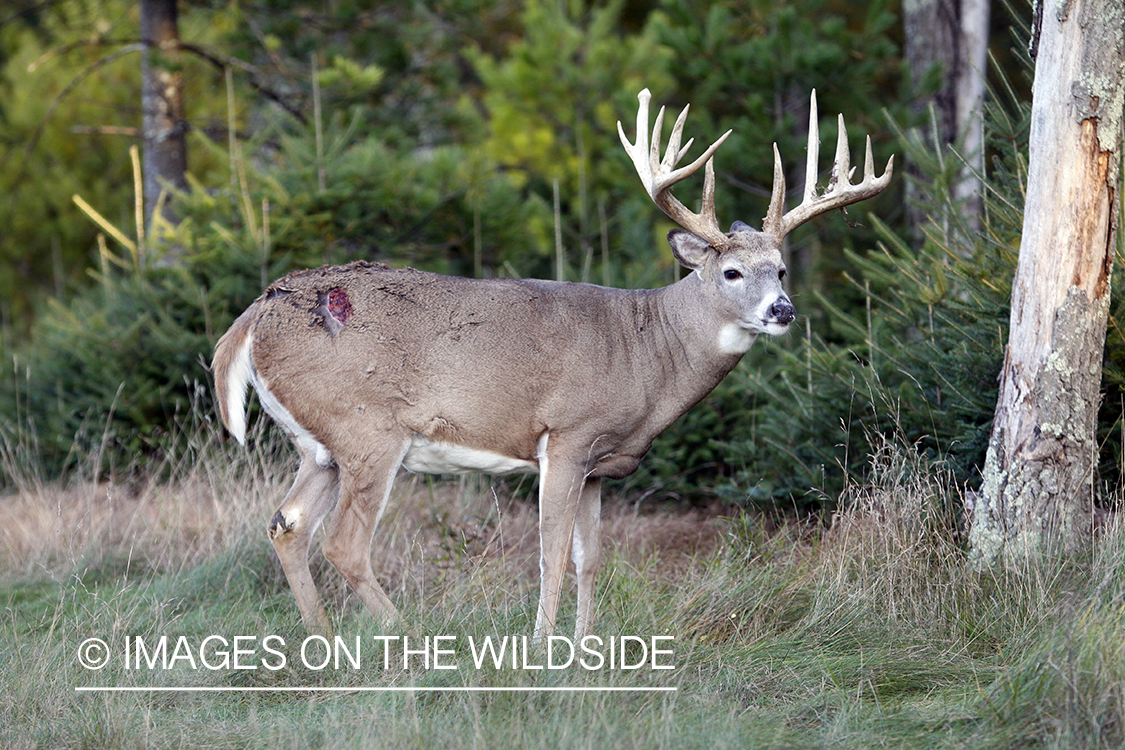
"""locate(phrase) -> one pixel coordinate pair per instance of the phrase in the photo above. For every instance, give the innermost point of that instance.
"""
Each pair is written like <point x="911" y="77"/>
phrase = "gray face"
<point x="747" y="274"/>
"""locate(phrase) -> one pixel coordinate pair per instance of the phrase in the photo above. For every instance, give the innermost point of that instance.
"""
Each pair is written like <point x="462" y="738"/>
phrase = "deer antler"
<point x="840" y="192"/>
<point x="659" y="176"/>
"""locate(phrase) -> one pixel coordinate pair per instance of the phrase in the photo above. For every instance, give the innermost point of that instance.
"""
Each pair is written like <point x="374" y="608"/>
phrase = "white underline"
<point x="369" y="689"/>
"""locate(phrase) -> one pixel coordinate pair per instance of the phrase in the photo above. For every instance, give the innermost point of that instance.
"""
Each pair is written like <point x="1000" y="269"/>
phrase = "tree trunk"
<point x="952" y="35"/>
<point x="972" y="67"/>
<point x="165" y="147"/>
<point x="1038" y="487"/>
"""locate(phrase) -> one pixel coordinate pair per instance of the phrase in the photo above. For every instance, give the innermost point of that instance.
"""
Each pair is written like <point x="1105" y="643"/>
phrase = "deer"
<point x="369" y="369"/>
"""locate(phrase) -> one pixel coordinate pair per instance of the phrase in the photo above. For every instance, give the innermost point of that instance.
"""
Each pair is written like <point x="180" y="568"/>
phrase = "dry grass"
<point x="433" y="534"/>
<point x="872" y="630"/>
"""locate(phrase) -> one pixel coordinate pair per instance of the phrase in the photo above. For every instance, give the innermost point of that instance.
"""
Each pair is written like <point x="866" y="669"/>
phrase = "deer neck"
<point x="697" y="333"/>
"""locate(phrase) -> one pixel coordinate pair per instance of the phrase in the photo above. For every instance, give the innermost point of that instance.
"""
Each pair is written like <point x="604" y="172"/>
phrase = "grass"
<point x="873" y="631"/>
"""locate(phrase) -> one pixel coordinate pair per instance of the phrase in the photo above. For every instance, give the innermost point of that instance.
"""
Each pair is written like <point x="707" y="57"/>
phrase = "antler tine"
<point x="813" y="151"/>
<point x="772" y="223"/>
<point x="869" y="163"/>
<point x="674" y="153"/>
<point x="841" y="164"/>
<point x="657" y="128"/>
<point x="639" y="151"/>
<point x="840" y="191"/>
<point x="684" y="150"/>
<point x="659" y="175"/>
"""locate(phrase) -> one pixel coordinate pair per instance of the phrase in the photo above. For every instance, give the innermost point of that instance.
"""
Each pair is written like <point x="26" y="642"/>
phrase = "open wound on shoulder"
<point x="335" y="308"/>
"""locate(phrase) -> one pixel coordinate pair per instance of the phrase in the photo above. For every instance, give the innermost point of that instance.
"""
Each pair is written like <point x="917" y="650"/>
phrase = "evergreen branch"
<point x="222" y="60"/>
<point x="29" y="9"/>
<point x="218" y="59"/>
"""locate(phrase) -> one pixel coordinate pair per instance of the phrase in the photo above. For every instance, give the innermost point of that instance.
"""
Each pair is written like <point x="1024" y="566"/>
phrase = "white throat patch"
<point x="734" y="339"/>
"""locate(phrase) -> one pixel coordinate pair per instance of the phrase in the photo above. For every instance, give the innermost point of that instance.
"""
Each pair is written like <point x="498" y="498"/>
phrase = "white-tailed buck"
<point x="369" y="369"/>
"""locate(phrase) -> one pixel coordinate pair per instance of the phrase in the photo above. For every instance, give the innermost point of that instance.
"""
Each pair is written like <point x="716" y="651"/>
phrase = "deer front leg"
<point x="364" y="490"/>
<point x="560" y="489"/>
<point x="308" y="501"/>
<point x="586" y="552"/>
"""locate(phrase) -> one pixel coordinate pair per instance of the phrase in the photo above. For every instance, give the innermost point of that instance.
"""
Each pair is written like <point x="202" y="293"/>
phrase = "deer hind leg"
<point x="586" y="551"/>
<point x="364" y="490"/>
<point x="561" y="483"/>
<point x="308" y="501"/>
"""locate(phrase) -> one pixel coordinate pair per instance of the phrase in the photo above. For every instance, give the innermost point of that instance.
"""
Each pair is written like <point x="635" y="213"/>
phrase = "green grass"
<point x="874" y="632"/>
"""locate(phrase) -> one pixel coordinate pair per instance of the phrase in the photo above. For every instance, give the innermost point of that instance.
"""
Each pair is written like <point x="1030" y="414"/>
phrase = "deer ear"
<point x="690" y="250"/>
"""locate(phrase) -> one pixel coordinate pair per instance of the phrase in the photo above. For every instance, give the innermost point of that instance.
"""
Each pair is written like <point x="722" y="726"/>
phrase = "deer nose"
<point x="782" y="311"/>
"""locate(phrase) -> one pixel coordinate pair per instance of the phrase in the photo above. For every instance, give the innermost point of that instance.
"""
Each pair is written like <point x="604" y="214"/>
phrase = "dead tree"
<point x="1039" y="472"/>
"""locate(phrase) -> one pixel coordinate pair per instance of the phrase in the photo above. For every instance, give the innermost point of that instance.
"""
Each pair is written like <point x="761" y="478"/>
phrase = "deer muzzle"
<point x="782" y="311"/>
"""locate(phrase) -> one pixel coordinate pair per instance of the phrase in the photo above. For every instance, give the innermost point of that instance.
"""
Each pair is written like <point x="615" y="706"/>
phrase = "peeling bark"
<point x="1038" y="489"/>
<point x="1039" y="472"/>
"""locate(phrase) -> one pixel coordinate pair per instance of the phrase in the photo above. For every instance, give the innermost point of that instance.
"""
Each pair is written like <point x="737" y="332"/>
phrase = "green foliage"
<point x="348" y="74"/>
<point x="110" y="373"/>
<point x="425" y="90"/>
<point x="69" y="85"/>
<point x="436" y="210"/>
<point x="43" y="241"/>
<point x="550" y="98"/>
<point x="553" y="99"/>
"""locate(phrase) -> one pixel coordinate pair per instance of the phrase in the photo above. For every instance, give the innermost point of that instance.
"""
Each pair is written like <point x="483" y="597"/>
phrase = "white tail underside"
<point x="240" y="374"/>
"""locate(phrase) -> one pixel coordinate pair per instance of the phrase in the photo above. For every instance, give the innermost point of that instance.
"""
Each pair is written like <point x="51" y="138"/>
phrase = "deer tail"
<point x="233" y="368"/>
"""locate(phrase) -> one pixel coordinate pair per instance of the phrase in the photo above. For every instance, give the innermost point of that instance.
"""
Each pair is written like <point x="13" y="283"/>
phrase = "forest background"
<point x="477" y="137"/>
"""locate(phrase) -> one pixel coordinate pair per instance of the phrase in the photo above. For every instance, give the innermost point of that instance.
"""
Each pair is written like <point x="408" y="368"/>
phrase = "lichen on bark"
<point x="1037" y="495"/>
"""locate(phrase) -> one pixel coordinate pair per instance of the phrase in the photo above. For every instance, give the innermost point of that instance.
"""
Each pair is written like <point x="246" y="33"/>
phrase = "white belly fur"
<point x="431" y="457"/>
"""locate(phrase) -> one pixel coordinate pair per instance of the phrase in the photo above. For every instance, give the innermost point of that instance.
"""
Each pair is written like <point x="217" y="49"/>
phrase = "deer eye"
<point x="731" y="275"/>
<point x="781" y="274"/>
